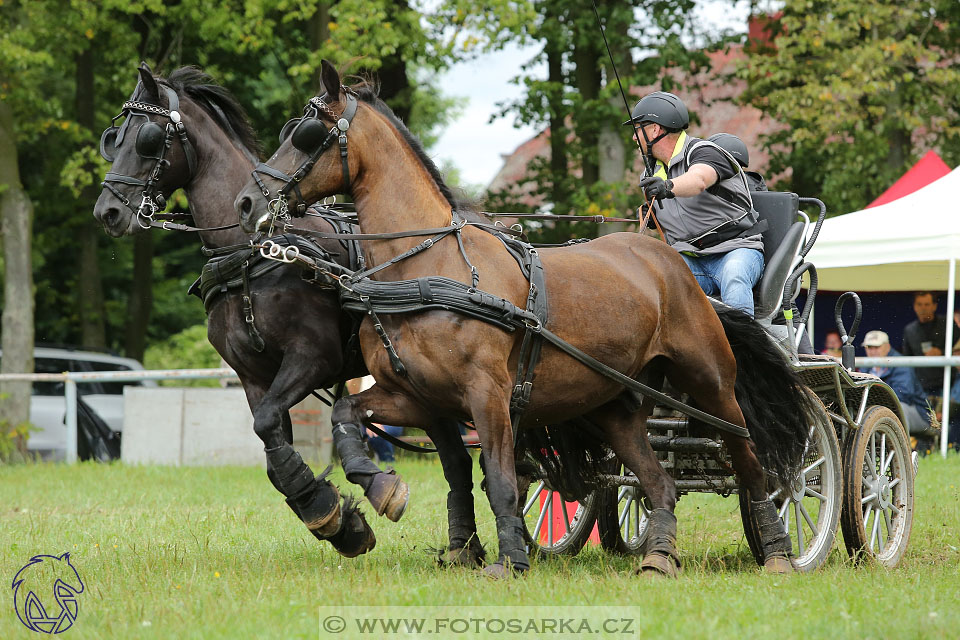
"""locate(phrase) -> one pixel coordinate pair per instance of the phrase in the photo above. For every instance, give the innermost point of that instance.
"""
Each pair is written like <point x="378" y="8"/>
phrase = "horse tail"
<point x="775" y="403"/>
<point x="568" y="454"/>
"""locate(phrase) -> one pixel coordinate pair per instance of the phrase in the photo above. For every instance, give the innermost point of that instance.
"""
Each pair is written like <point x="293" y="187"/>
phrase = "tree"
<point x="863" y="88"/>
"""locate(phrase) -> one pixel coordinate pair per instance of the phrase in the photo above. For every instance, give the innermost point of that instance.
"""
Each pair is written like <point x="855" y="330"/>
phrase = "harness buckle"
<point x="533" y="325"/>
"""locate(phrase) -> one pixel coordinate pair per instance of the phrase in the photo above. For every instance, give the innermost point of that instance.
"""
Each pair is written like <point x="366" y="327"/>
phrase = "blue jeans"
<point x="383" y="448"/>
<point x="732" y="275"/>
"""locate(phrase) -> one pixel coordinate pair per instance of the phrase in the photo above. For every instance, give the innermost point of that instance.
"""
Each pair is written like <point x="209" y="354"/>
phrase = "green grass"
<point x="214" y="552"/>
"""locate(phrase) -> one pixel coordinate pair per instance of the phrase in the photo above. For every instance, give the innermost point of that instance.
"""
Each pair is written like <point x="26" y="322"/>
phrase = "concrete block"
<point x="218" y="429"/>
<point x="152" y="425"/>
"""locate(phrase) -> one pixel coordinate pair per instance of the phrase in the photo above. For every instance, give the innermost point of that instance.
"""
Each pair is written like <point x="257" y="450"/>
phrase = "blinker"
<point x="150" y="140"/>
<point x="309" y="134"/>
<point x="288" y="128"/>
<point x="108" y="143"/>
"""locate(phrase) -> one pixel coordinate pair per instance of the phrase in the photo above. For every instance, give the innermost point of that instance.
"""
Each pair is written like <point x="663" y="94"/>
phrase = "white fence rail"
<point x="72" y="378"/>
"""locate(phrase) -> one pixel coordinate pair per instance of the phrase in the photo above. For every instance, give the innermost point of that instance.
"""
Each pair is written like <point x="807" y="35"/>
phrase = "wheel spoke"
<point x="813" y="466"/>
<point x="636" y="519"/>
<point x="786" y="516"/>
<point x="888" y="522"/>
<point x="626" y="511"/>
<point x="875" y="531"/>
<point x="866" y="516"/>
<point x="886" y="463"/>
<point x="894" y="482"/>
<point x="865" y="482"/>
<point x="622" y="493"/>
<point x="883" y="452"/>
<point x="816" y="494"/>
<point x="796" y="509"/>
<point x="783" y="509"/>
<point x="543" y="514"/>
<point x="533" y="498"/>
<point x="774" y="494"/>
<point x="810" y="523"/>
<point x="550" y="520"/>
<point x="868" y="498"/>
<point x="566" y="516"/>
<point x="895" y="509"/>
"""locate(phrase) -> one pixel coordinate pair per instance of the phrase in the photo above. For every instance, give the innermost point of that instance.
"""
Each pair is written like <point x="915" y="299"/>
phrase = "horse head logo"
<point x="42" y="577"/>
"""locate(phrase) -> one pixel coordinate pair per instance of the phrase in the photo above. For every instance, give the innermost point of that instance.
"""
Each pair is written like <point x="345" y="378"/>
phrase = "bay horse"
<point x="627" y="300"/>
<point x="299" y="338"/>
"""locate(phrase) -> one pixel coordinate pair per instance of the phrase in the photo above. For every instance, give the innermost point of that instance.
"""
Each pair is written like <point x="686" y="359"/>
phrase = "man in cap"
<point x="904" y="382"/>
<point x="703" y="200"/>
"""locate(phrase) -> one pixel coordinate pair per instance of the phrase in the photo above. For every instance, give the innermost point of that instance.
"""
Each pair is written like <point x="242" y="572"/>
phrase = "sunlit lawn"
<point x="213" y="552"/>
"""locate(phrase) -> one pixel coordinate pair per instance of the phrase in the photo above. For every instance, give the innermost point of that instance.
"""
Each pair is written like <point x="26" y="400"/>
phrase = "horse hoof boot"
<point x="389" y="495"/>
<point x="463" y="557"/>
<point x="657" y="564"/>
<point x="778" y="565"/>
<point x="355" y="538"/>
<point x="322" y="514"/>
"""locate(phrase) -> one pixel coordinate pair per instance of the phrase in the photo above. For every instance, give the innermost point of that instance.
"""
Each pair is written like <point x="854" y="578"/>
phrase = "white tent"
<point x="904" y="245"/>
<point x="909" y="244"/>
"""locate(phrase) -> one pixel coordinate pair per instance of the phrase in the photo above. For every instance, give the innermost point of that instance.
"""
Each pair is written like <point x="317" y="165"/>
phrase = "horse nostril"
<point x="110" y="216"/>
<point x="246" y="206"/>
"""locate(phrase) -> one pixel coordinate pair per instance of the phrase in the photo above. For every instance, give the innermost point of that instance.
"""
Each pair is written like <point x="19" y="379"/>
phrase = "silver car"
<point x="48" y="406"/>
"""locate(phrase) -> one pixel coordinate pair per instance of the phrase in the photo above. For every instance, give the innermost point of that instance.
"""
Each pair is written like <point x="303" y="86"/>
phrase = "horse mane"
<point x="368" y="91"/>
<point x="219" y="103"/>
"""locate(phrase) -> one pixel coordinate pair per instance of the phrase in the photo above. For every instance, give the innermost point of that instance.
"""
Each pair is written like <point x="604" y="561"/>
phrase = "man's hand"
<point x="656" y="187"/>
<point x="933" y="351"/>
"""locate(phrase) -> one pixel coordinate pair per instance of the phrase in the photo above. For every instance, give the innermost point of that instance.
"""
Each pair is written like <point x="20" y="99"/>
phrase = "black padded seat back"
<point x="781" y="241"/>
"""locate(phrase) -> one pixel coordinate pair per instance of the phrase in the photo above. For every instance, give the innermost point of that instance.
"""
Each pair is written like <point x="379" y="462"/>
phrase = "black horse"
<point x="284" y="335"/>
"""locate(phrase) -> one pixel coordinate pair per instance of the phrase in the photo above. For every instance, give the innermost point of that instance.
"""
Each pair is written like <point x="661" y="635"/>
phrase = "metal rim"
<point x="632" y="518"/>
<point x="810" y="505"/>
<point x="883" y="491"/>
<point x="566" y="534"/>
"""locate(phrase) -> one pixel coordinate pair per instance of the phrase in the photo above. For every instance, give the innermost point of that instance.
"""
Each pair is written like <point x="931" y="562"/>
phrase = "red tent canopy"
<point x="929" y="168"/>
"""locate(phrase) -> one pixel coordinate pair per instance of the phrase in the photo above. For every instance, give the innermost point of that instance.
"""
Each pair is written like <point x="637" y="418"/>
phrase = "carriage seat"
<point x="781" y="242"/>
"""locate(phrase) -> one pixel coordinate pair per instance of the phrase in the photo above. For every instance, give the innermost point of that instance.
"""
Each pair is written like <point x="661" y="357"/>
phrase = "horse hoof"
<point x="657" y="564"/>
<point x="778" y="565"/>
<point x="389" y="495"/>
<point x="355" y="538"/>
<point x="462" y="557"/>
<point x="326" y="525"/>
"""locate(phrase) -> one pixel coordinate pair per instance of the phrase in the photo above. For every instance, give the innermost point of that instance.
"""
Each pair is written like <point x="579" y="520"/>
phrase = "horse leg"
<point x="716" y="392"/>
<point x="626" y="433"/>
<point x="378" y="405"/>
<point x="491" y="415"/>
<point x="314" y="499"/>
<point x="465" y="548"/>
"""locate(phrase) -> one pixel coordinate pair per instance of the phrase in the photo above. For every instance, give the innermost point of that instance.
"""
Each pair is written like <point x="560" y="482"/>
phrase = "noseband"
<point x="310" y="135"/>
<point x="152" y="143"/>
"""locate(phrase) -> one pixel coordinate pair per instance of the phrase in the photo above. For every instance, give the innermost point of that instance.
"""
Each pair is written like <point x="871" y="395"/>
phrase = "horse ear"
<point x="331" y="80"/>
<point x="146" y="78"/>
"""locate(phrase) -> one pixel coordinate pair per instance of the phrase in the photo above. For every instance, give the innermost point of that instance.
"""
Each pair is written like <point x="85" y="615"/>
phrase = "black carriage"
<point x="857" y="473"/>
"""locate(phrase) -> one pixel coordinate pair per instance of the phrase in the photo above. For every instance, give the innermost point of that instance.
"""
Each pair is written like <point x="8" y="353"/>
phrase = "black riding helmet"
<point x="732" y="145"/>
<point x="661" y="108"/>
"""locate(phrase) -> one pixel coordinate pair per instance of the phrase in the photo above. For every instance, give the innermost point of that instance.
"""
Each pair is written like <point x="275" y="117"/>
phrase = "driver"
<point x="703" y="201"/>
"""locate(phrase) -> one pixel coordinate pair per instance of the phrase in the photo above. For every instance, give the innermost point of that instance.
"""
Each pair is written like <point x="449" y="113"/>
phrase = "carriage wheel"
<point x="810" y="506"/>
<point x="878" y="482"/>
<point x="622" y="519"/>
<point x="554" y="527"/>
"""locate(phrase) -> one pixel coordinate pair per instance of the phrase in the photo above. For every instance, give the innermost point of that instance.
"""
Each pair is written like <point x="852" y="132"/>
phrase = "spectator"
<point x="832" y="344"/>
<point x="904" y="383"/>
<point x="926" y="336"/>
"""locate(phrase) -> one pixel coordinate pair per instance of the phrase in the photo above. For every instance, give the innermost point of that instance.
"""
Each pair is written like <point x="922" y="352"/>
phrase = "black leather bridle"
<point x="153" y="142"/>
<point x="310" y="135"/>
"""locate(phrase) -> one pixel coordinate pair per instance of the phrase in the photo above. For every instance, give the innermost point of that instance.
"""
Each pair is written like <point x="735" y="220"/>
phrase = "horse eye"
<point x="309" y="134"/>
<point x="150" y="140"/>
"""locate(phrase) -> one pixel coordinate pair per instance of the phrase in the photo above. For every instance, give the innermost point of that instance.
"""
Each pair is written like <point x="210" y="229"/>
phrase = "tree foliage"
<point x="862" y="89"/>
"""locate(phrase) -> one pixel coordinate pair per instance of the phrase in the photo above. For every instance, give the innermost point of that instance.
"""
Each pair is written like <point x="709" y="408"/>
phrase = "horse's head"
<point x="151" y="154"/>
<point x="312" y="146"/>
